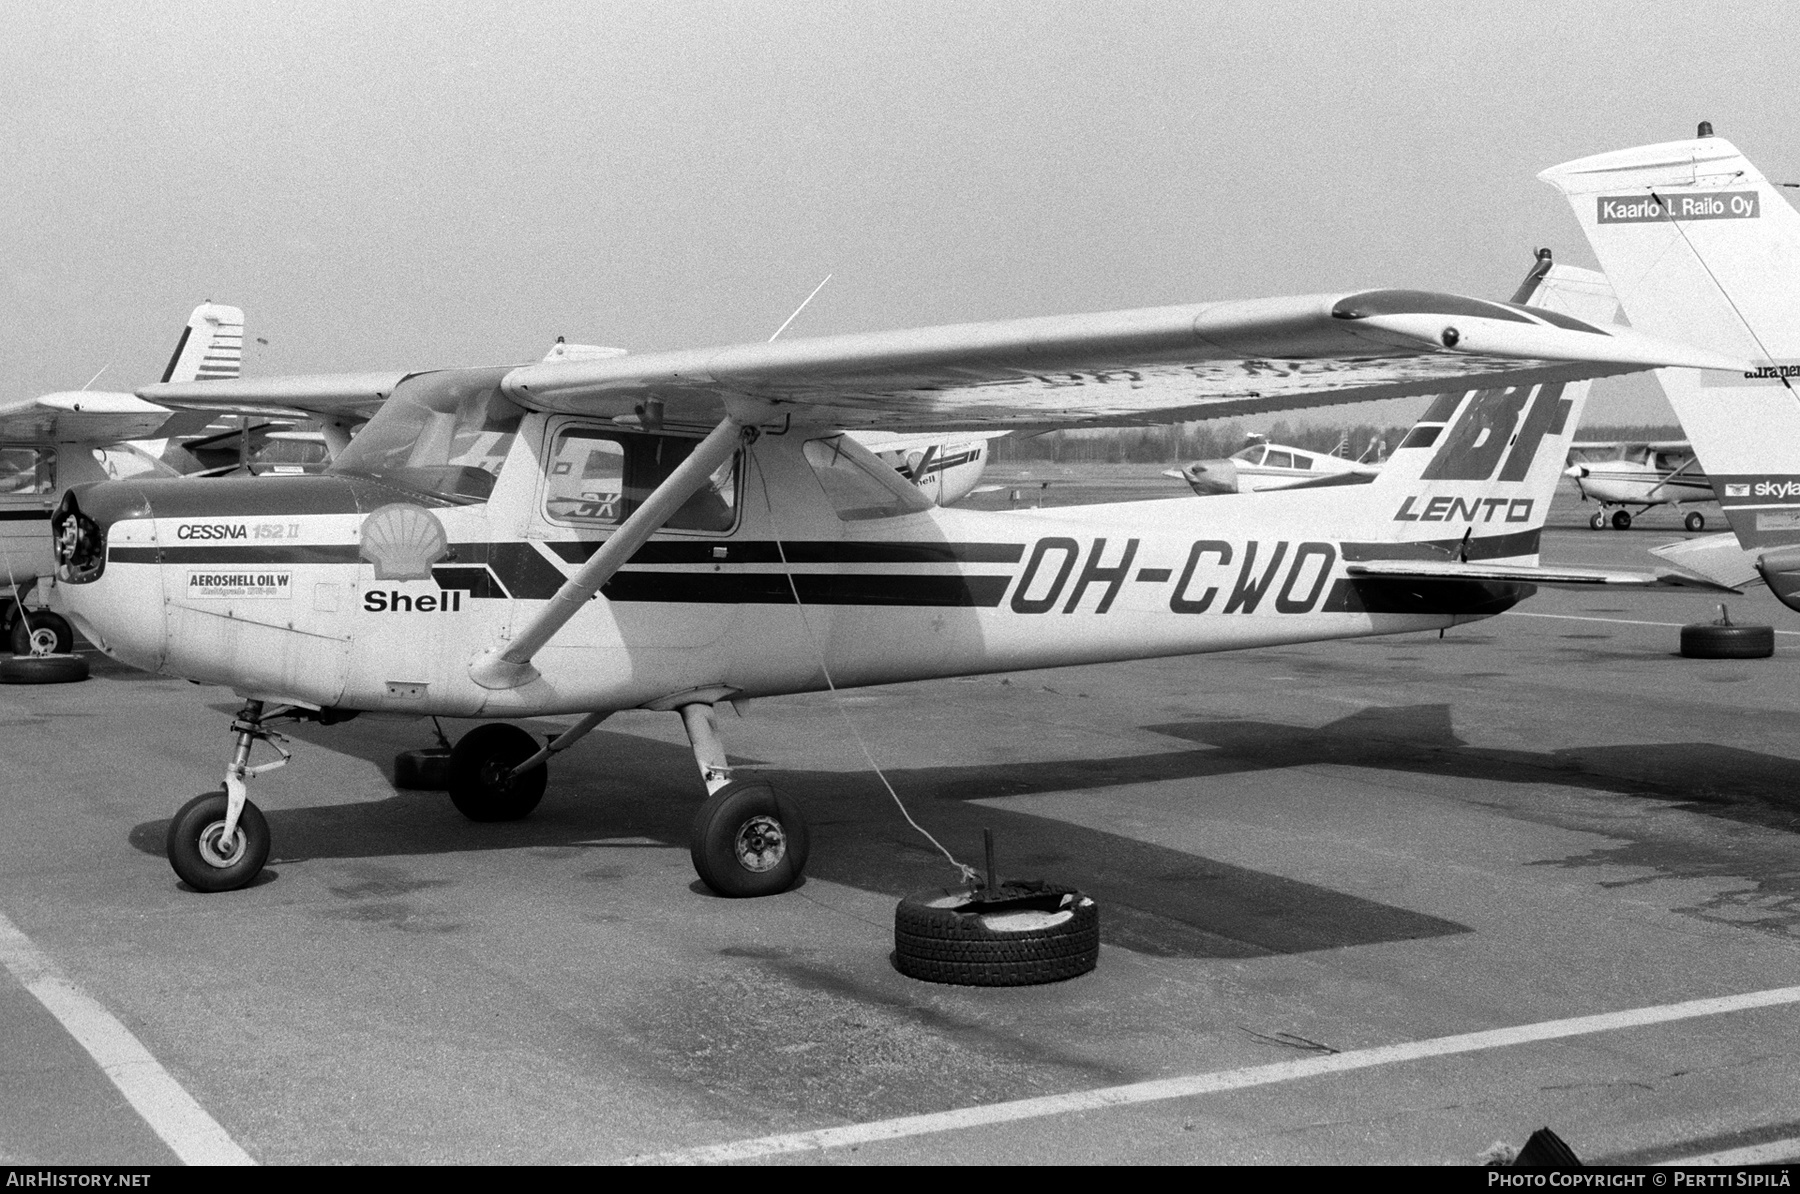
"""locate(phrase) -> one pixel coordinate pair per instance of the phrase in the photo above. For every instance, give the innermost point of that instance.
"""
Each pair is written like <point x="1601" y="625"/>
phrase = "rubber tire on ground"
<point x="944" y="936"/>
<point x="1695" y="521"/>
<point x="1621" y="520"/>
<point x="42" y="669"/>
<point x="1598" y="520"/>
<point x="481" y="785"/>
<point x="746" y="807"/>
<point x="207" y="812"/>
<point x="424" y="770"/>
<point x="33" y="619"/>
<point x="1709" y="640"/>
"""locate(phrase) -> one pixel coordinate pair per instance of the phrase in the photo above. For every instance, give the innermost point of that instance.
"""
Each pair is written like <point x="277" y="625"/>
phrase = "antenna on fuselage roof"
<point x="809" y="298"/>
<point x="96" y="377"/>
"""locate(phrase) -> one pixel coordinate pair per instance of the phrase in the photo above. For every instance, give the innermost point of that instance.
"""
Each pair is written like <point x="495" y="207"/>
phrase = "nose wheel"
<point x="219" y="841"/>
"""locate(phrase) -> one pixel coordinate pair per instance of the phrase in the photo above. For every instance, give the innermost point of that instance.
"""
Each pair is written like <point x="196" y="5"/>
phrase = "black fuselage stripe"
<point x="23" y="515"/>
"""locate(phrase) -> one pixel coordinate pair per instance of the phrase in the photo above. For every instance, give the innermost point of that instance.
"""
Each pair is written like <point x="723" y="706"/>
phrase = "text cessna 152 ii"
<point x="670" y="530"/>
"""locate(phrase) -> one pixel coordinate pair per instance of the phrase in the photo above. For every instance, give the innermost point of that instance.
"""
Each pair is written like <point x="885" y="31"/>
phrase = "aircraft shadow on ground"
<point x="1155" y="900"/>
<point x="619" y="786"/>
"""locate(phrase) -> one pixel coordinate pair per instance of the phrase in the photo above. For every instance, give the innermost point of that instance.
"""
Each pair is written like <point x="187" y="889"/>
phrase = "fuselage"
<point x="301" y="589"/>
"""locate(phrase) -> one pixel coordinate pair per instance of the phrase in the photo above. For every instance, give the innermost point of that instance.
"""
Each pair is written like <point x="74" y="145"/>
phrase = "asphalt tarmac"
<point x="1301" y="855"/>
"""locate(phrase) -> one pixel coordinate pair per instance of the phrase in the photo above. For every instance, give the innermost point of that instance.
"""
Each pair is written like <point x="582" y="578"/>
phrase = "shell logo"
<point x="403" y="541"/>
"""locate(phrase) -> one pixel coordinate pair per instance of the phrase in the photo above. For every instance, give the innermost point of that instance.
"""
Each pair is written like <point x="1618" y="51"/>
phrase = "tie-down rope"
<point x="969" y="873"/>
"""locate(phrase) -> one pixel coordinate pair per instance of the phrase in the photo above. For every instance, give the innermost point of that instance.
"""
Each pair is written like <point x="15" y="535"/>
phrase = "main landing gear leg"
<point x="748" y="839"/>
<point x="219" y="841"/>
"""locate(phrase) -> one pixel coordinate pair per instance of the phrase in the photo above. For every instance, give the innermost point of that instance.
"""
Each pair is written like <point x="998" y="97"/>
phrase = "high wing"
<point x="92" y="417"/>
<point x="1153" y="365"/>
<point x="353" y="396"/>
<point x="1554" y="577"/>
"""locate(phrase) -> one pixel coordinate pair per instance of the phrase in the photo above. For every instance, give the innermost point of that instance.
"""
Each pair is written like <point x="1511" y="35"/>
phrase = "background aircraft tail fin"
<point x="211" y="345"/>
<point x="1700" y="246"/>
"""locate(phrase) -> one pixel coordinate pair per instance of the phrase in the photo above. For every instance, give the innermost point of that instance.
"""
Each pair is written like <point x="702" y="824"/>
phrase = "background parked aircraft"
<point x="1621" y="474"/>
<point x="1264" y="465"/>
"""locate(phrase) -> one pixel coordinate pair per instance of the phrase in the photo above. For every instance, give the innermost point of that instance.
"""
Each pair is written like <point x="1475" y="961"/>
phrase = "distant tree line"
<point x="1181" y="442"/>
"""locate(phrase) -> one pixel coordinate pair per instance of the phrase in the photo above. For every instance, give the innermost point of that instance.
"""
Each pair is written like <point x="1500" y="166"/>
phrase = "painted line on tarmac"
<point x="1621" y="621"/>
<point x="1201" y="1084"/>
<point x="165" y="1105"/>
<point x="1775" y="1152"/>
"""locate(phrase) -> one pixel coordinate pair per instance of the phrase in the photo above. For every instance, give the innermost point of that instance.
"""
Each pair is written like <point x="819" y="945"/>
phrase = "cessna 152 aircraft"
<point x="57" y="440"/>
<point x="1620" y="475"/>
<point x="671" y="530"/>
<point x="1696" y="242"/>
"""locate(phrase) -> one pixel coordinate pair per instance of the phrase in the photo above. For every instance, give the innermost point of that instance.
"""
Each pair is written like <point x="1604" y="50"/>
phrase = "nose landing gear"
<point x="219" y="841"/>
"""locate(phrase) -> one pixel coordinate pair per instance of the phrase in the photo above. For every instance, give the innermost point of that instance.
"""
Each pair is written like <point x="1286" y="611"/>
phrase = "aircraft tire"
<point x="1598" y="520"/>
<point x="480" y="784"/>
<point x="43" y="669"/>
<point x="41" y="619"/>
<point x="423" y="770"/>
<point x="193" y="845"/>
<point x="1709" y="640"/>
<point x="749" y="840"/>
<point x="1621" y="520"/>
<point x="1695" y="521"/>
<point x="1036" y="933"/>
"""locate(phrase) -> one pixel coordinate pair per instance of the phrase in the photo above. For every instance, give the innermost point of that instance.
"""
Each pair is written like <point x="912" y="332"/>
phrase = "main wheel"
<point x="1695" y="521"/>
<point x="482" y="785"/>
<point x="1621" y="520"/>
<point x="201" y="856"/>
<point x="1709" y="640"/>
<point x="42" y="669"/>
<point x="1032" y="933"/>
<point x="1598" y="520"/>
<point x="749" y="840"/>
<point x="41" y="632"/>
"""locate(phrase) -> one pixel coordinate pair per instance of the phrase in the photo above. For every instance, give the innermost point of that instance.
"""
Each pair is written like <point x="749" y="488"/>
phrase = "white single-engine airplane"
<point x="1620" y="474"/>
<point x="1696" y="242"/>
<point x="1262" y="465"/>
<point x="671" y="530"/>
<point x="54" y="441"/>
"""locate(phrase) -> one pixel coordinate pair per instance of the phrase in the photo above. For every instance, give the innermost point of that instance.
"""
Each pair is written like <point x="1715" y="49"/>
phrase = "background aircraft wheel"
<point x="481" y="782"/>
<point x="204" y="862"/>
<point x="1709" y="640"/>
<point x="1598" y="521"/>
<point x="749" y="840"/>
<point x="36" y="625"/>
<point x="423" y="770"/>
<point x="1695" y="521"/>
<point x="1032" y="933"/>
<point x="42" y="669"/>
<point x="1621" y="520"/>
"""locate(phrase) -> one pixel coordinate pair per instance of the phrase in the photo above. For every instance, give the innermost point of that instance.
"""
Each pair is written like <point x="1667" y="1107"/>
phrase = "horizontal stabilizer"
<point x="1553" y="577"/>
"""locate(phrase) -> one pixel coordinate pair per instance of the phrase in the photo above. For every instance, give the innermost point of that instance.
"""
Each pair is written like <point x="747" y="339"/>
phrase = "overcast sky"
<point x="412" y="185"/>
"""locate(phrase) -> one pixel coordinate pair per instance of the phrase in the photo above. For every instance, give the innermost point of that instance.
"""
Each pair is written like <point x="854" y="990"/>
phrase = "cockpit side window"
<point x="858" y="485"/>
<point x="1278" y="459"/>
<point x="27" y="471"/>
<point x="595" y="477"/>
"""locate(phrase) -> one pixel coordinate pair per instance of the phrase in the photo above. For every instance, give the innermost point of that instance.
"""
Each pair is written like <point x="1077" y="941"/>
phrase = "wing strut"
<point x="509" y="666"/>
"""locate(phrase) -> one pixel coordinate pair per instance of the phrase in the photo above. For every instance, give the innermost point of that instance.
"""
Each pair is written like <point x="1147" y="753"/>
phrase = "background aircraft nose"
<point x="1208" y="477"/>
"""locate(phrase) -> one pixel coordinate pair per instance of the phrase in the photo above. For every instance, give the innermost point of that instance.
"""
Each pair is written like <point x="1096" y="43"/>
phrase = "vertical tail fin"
<point x="1482" y="467"/>
<point x="211" y="345"/>
<point x="1701" y="247"/>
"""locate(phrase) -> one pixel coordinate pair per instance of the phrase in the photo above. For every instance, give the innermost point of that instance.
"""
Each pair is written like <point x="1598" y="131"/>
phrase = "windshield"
<point x="444" y="433"/>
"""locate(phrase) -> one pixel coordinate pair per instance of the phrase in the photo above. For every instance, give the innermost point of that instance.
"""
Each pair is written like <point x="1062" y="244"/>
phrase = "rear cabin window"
<point x="857" y="484"/>
<point x="597" y="477"/>
<point x="27" y="471"/>
<point x="1302" y="461"/>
